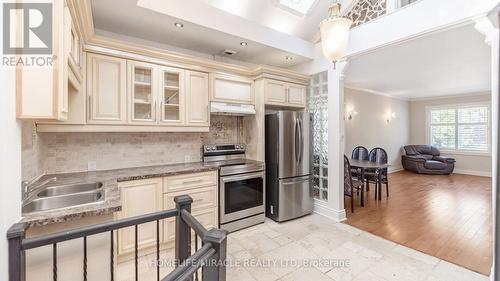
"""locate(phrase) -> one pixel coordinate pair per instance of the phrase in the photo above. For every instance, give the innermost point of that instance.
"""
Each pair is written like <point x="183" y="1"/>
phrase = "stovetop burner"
<point x="231" y="159"/>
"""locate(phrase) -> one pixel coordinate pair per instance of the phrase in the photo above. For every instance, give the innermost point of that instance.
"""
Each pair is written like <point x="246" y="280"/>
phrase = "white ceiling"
<point x="211" y="26"/>
<point x="450" y="62"/>
<point x="269" y="14"/>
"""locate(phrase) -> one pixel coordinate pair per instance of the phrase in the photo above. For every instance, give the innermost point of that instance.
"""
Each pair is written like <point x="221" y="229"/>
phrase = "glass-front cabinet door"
<point x="172" y="100"/>
<point x="142" y="92"/>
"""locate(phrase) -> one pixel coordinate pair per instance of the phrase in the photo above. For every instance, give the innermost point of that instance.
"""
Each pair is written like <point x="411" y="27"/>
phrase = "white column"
<point x="489" y="28"/>
<point x="334" y="207"/>
<point x="494" y="41"/>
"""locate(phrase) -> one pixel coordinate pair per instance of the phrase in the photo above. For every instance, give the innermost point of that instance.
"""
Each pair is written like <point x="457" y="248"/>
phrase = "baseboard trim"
<point x="320" y="208"/>
<point x="472" y="173"/>
<point x="396" y="169"/>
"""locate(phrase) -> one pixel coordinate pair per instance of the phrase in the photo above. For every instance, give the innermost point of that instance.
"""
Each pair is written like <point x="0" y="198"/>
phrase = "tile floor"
<point x="315" y="248"/>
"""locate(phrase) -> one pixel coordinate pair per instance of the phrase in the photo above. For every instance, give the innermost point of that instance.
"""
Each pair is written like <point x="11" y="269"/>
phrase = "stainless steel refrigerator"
<point x="289" y="191"/>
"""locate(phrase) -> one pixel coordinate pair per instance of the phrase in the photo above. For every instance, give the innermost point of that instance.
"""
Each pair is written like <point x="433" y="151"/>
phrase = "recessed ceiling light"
<point x="179" y="25"/>
<point x="243" y="43"/>
<point x="289" y="58"/>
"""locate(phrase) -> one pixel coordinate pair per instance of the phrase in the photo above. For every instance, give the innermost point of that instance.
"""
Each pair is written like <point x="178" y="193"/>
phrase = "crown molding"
<point x="101" y="44"/>
<point x="375" y="92"/>
<point x="475" y="94"/>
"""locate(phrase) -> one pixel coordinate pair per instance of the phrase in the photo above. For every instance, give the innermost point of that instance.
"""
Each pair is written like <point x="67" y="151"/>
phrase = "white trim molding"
<point x="473" y="173"/>
<point x="395" y="169"/>
<point x="376" y="92"/>
<point x="321" y="208"/>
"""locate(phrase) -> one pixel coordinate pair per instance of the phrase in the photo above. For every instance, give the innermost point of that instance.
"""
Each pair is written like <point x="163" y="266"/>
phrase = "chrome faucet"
<point x="28" y="186"/>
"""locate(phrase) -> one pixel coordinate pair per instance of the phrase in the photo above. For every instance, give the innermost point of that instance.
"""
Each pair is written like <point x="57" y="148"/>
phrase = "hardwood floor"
<point x="449" y="217"/>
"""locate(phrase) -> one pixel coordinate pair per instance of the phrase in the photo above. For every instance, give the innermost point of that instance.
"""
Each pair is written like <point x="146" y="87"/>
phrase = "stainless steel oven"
<point x="242" y="196"/>
<point x="242" y="185"/>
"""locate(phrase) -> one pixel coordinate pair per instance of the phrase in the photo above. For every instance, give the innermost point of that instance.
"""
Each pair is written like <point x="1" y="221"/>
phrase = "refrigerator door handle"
<point x="301" y="142"/>
<point x="296" y="142"/>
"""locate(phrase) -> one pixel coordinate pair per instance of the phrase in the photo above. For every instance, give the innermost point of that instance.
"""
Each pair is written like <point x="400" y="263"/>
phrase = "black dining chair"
<point x="350" y="184"/>
<point x="378" y="155"/>
<point x="359" y="153"/>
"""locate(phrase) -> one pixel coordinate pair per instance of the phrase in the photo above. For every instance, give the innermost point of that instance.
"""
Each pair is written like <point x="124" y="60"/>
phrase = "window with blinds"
<point x="460" y="128"/>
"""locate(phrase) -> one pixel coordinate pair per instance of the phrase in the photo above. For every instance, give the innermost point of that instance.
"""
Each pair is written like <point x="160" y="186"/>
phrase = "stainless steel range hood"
<point x="234" y="109"/>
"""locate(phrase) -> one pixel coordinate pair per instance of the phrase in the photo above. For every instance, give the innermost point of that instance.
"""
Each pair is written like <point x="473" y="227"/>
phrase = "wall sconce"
<point x="389" y="116"/>
<point x="350" y="113"/>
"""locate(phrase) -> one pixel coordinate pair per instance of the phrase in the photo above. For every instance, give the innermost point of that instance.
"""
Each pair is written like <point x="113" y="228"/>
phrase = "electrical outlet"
<point x="91" y="166"/>
<point x="187" y="158"/>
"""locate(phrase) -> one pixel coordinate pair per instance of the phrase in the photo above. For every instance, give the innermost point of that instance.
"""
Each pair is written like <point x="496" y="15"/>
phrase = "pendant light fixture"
<point x="335" y="33"/>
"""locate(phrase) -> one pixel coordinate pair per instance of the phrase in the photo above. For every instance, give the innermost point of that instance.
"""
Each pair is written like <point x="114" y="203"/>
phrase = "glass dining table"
<point x="365" y="165"/>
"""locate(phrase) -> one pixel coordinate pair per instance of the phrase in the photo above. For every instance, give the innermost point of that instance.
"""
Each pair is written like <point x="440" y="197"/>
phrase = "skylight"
<point x="300" y="7"/>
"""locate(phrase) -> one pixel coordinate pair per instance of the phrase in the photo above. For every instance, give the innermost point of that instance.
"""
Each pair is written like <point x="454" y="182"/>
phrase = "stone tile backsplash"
<point x="71" y="152"/>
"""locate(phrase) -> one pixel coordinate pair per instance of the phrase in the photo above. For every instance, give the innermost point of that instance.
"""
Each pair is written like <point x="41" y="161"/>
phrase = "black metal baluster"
<point x="54" y="261"/>
<point x="196" y="249"/>
<point x="158" y="250"/>
<point x="85" y="258"/>
<point x="112" y="257"/>
<point x="136" y="255"/>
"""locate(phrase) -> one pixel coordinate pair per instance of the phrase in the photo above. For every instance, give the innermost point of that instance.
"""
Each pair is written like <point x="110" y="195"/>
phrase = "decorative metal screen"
<point x="367" y="10"/>
<point x="318" y="107"/>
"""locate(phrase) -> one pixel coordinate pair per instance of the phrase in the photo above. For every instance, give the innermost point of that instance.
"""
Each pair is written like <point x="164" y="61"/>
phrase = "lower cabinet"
<point x="152" y="195"/>
<point x="207" y="218"/>
<point x="139" y="198"/>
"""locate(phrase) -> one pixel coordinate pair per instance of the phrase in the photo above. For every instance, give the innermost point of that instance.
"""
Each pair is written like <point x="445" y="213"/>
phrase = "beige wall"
<point x="71" y="152"/>
<point x="370" y="128"/>
<point x="471" y="164"/>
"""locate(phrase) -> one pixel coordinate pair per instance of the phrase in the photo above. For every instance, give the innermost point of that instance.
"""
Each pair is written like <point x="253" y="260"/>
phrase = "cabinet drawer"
<point x="207" y="218"/>
<point x="189" y="181"/>
<point x="202" y="198"/>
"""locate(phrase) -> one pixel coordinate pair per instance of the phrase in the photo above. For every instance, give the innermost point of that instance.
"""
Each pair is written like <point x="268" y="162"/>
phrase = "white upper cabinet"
<point x="142" y="92"/>
<point x="197" y="104"/>
<point x="172" y="100"/>
<point x="275" y="92"/>
<point x="232" y="89"/>
<point x="106" y="88"/>
<point x="296" y="95"/>
<point x="280" y="93"/>
<point x="42" y="92"/>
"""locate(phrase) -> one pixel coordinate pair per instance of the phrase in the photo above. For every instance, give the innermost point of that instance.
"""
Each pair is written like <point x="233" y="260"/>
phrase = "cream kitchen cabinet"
<point x="207" y="218"/>
<point x="231" y="89"/>
<point x="197" y="100"/>
<point x="203" y="189"/>
<point x="172" y="97"/>
<point x="142" y="92"/>
<point x="139" y="198"/>
<point x="42" y="91"/>
<point x="106" y="89"/>
<point x="280" y="93"/>
<point x="276" y="92"/>
<point x="152" y="195"/>
<point x="296" y="95"/>
<point x="129" y="93"/>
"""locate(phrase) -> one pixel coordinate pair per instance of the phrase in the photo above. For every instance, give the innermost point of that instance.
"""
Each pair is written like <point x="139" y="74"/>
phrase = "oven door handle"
<point x="243" y="177"/>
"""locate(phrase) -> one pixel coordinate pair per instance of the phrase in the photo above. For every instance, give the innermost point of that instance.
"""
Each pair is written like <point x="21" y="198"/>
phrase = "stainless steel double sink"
<point x="53" y="197"/>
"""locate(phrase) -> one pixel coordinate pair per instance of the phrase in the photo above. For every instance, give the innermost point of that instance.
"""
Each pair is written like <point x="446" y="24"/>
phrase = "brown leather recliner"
<point x="426" y="159"/>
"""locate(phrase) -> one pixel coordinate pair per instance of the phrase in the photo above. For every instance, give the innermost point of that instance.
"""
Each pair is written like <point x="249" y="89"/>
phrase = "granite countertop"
<point x="110" y="178"/>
